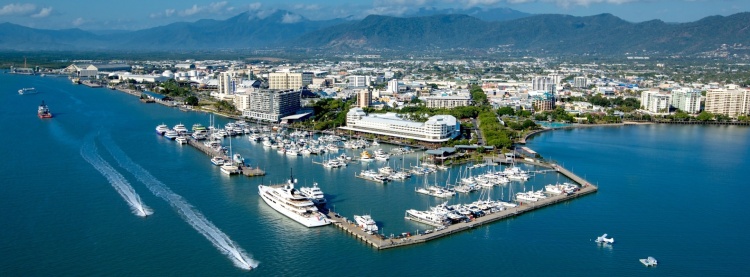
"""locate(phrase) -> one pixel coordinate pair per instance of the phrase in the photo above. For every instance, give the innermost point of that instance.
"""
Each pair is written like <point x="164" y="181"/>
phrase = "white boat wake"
<point x="121" y="185"/>
<point x="191" y="215"/>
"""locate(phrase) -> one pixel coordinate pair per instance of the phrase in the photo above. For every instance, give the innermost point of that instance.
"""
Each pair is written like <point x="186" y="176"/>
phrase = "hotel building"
<point x="436" y="129"/>
<point x="732" y="103"/>
<point x="272" y="105"/>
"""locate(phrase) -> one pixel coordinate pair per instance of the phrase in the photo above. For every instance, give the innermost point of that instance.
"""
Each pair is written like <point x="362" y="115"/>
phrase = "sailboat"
<point x="230" y="168"/>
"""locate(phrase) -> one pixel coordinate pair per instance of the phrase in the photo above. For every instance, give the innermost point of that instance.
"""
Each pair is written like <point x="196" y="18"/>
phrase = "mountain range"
<point x="426" y="29"/>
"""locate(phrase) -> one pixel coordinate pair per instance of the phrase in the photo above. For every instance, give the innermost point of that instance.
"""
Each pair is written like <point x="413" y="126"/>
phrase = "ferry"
<point x="43" y="111"/>
<point x="291" y="203"/>
<point x="26" y="91"/>
<point x="161" y="129"/>
<point x="181" y="140"/>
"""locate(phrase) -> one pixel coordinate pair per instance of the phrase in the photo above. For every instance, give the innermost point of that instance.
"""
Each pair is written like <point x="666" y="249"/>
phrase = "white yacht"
<point x="425" y="217"/>
<point x="161" y="129"/>
<point x="525" y="197"/>
<point x="229" y="169"/>
<point x="217" y="161"/>
<point x="314" y="194"/>
<point x="237" y="158"/>
<point x="435" y="191"/>
<point x="180" y="128"/>
<point x="291" y="203"/>
<point x="181" y="140"/>
<point x="366" y="223"/>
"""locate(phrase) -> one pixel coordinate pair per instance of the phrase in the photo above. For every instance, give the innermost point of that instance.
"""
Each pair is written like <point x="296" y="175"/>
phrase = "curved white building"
<point x="438" y="128"/>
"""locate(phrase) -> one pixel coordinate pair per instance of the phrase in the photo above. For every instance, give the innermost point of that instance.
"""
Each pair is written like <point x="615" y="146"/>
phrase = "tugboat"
<point x="43" y="111"/>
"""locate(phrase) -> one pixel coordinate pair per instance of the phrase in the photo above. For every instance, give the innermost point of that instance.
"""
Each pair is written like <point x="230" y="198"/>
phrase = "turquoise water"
<point x="547" y="124"/>
<point x="672" y="192"/>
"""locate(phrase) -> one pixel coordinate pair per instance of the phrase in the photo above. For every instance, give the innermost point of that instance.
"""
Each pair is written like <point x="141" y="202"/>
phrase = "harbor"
<point x="382" y="242"/>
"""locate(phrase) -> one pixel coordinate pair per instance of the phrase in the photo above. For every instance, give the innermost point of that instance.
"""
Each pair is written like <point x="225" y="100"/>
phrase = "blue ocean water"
<point x="672" y="192"/>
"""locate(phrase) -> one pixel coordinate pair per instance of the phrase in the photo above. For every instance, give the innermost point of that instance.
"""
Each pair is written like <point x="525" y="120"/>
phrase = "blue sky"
<point x="139" y="14"/>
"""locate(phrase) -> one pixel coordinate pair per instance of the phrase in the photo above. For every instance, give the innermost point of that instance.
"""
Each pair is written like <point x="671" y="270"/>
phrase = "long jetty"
<point x="380" y="242"/>
<point x="244" y="170"/>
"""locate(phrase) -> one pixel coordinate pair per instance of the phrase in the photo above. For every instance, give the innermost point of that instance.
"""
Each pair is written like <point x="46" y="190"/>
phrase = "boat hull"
<point x="309" y="222"/>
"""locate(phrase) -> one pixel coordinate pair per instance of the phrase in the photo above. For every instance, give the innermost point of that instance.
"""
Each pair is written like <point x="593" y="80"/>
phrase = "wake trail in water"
<point x="190" y="214"/>
<point x="118" y="182"/>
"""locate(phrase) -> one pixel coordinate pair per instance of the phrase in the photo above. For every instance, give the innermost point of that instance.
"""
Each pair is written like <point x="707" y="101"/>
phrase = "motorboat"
<point x="604" y="240"/>
<point x="314" y="194"/>
<point x="26" y="91"/>
<point x="217" y="161"/>
<point x="366" y="223"/>
<point x="365" y="156"/>
<point x="286" y="200"/>
<point x="229" y="169"/>
<point x="427" y="217"/>
<point x="650" y="261"/>
<point x="237" y="158"/>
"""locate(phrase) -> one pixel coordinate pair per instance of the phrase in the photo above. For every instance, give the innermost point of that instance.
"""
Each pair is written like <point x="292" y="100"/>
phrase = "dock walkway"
<point x="244" y="170"/>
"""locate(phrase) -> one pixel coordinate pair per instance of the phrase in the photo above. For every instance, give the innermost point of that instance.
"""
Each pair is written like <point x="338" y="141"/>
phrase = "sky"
<point x="141" y="14"/>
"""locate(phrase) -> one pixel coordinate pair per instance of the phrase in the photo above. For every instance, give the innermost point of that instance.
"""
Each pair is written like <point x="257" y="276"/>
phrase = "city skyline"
<point x="139" y="14"/>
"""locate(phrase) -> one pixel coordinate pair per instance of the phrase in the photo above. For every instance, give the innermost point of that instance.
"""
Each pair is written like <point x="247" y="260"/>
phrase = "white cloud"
<point x="562" y="3"/>
<point x="78" y="21"/>
<point x="212" y="8"/>
<point x="44" y="12"/>
<point x="254" y="6"/>
<point x="289" y="18"/>
<point x="261" y="14"/>
<point x="307" y="7"/>
<point x="18" y="9"/>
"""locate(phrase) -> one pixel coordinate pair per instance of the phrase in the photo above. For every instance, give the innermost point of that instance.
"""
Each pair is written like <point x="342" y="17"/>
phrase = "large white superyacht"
<point x="291" y="203"/>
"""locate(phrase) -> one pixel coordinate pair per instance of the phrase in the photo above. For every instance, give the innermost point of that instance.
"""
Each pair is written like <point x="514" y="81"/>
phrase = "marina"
<point x="381" y="242"/>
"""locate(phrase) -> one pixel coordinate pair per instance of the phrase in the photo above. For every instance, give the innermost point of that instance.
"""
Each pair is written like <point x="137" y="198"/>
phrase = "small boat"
<point x="237" y="158"/>
<point x="43" y="111"/>
<point x="650" y="261"/>
<point x="365" y="156"/>
<point x="26" y="91"/>
<point x="604" y="240"/>
<point x="181" y="140"/>
<point x="229" y="169"/>
<point x="217" y="161"/>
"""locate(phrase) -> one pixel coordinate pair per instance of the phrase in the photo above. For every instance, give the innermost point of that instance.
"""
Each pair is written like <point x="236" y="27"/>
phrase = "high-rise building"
<point x="555" y="78"/>
<point x="228" y="82"/>
<point x="364" y="98"/>
<point x="580" y="82"/>
<point x="732" y="103"/>
<point x="542" y="83"/>
<point x="687" y="100"/>
<point x="285" y="80"/>
<point x="272" y="105"/>
<point x="393" y="86"/>
<point x="655" y="101"/>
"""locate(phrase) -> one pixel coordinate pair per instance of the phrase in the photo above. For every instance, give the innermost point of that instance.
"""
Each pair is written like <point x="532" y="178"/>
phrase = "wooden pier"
<point x="380" y="242"/>
<point x="244" y="170"/>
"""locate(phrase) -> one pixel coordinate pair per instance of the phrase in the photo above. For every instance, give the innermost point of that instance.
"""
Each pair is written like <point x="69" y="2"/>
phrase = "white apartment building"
<point x="580" y="82"/>
<point x="543" y="83"/>
<point x="654" y="101"/>
<point x="285" y="80"/>
<point x="446" y="101"/>
<point x="242" y="102"/>
<point x="393" y="86"/>
<point x="687" y="100"/>
<point x="357" y="81"/>
<point x="228" y="82"/>
<point x="272" y="105"/>
<point x="438" y="128"/>
<point x="732" y="103"/>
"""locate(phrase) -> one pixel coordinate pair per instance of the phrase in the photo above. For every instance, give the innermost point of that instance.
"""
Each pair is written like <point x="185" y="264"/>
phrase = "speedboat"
<point x="604" y="240"/>
<point x="314" y="194"/>
<point x="366" y="223"/>
<point x="650" y="261"/>
<point x="26" y="91"/>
